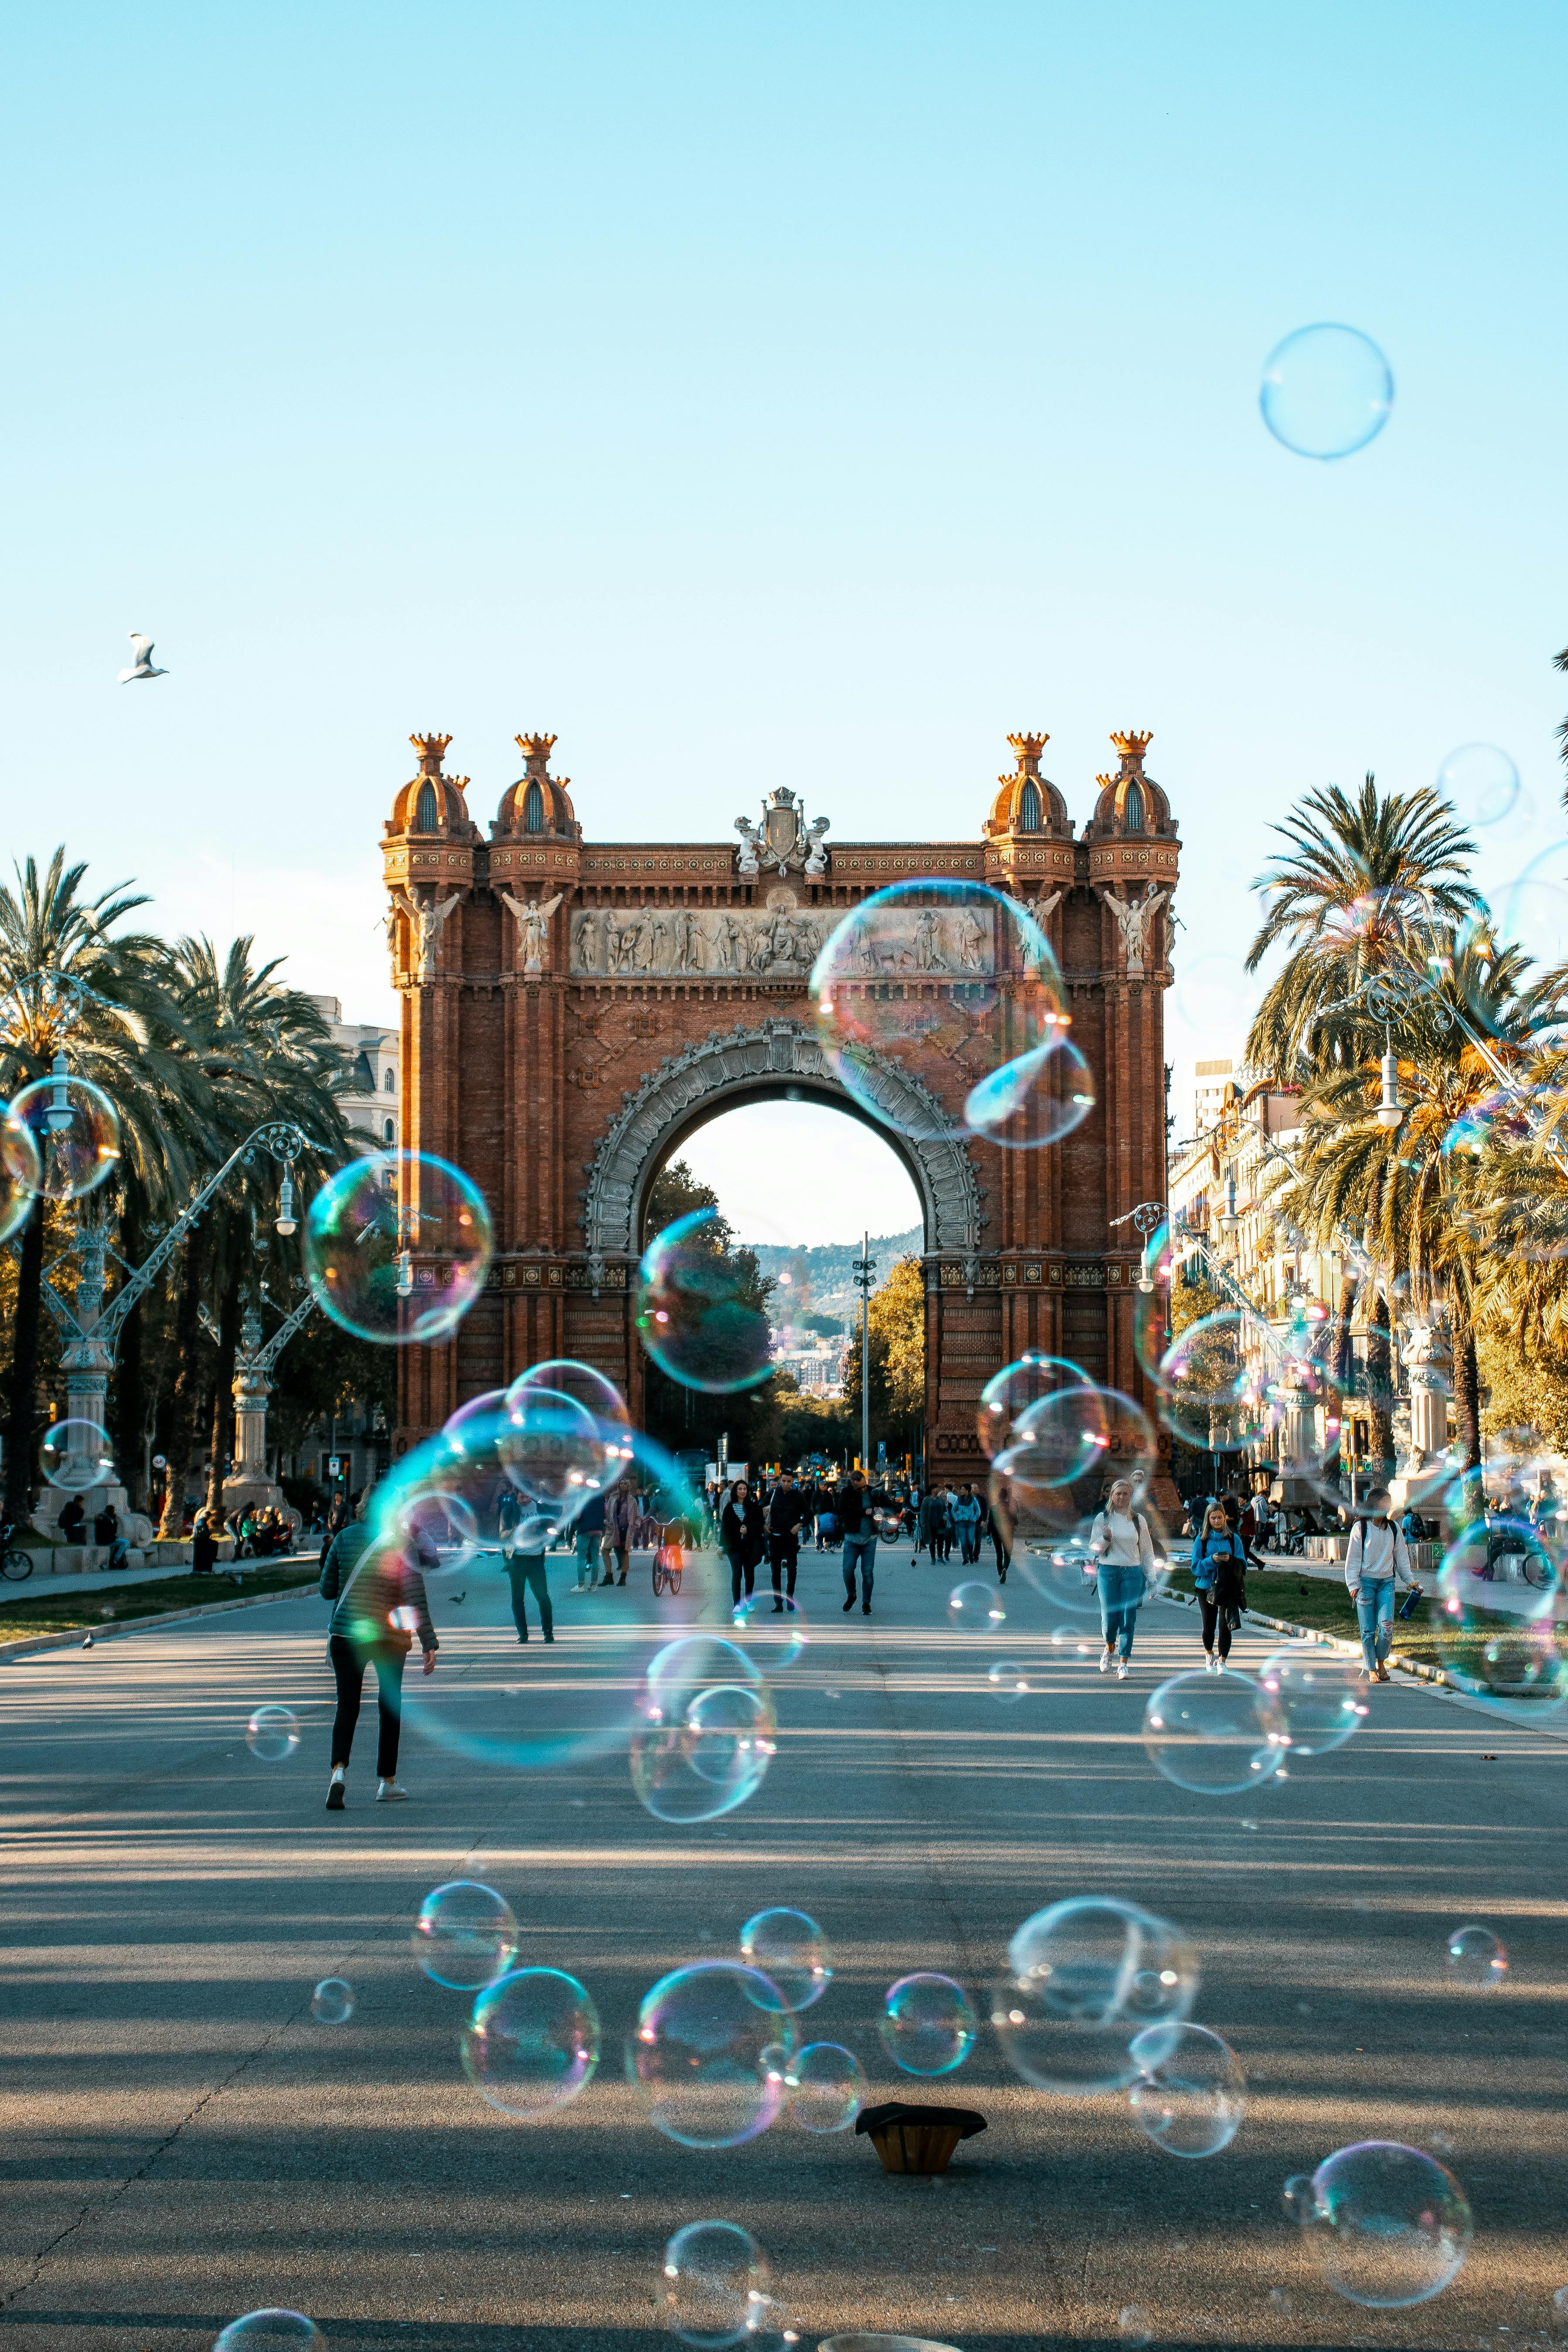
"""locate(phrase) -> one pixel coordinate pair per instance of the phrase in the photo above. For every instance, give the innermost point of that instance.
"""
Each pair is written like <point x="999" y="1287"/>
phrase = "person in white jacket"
<point x="1378" y="1557"/>
<point x="1124" y="1553"/>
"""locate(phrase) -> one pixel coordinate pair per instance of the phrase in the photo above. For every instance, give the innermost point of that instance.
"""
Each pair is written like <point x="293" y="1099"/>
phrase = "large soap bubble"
<point x="532" y="2043"/>
<point x="553" y="1450"/>
<point x="396" y="1248"/>
<point x="1214" y="1734"/>
<point x="950" y="977"/>
<point x="698" y="1308"/>
<point x="716" y="2282"/>
<point x="272" y="1735"/>
<point x="438" y="1525"/>
<point x="465" y="1936"/>
<point x="1497" y="1623"/>
<point x="1317" y="1697"/>
<point x="21" y="1174"/>
<point x="1009" y="1392"/>
<point x="711" y="2052"/>
<point x="1211" y="1385"/>
<point x="826" y="2087"/>
<point x="1480" y="783"/>
<point x="1191" y="2094"/>
<point x="274" y="2330"/>
<point x="1389" y="2225"/>
<point x="704" y="1731"/>
<point x="790" y="1949"/>
<point x="1534" y="908"/>
<point x="927" y="2023"/>
<point x="1326" y="390"/>
<point x="1081" y="1441"/>
<point x="1084" y="1977"/>
<point x="75" y="1456"/>
<point x="69" y="1131"/>
<point x="569" y="1378"/>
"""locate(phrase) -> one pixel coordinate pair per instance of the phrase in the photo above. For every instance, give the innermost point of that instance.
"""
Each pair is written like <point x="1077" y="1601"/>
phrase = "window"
<point x="1132" y="810"/>
<point x="390" y="1082"/>
<point x="533" y="809"/>
<point x="425" y="819"/>
<point x="1029" y="808"/>
<point x="389" y="1131"/>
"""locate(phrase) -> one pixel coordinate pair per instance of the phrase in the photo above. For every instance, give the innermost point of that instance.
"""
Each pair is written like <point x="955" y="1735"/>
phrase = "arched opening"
<point x="1029" y="808"/>
<point x="533" y="809"/>
<point x="796" y="1180"/>
<point x="425" y="816"/>
<point x="1133" y="815"/>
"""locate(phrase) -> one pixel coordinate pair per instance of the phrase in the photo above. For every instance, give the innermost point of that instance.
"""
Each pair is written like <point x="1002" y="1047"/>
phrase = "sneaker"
<point x="1208" y="1662"/>
<point x="1122" y="1670"/>
<point x="1105" y="1662"/>
<point x="866" y="1612"/>
<point x="549" y="1637"/>
<point x="335" y="1793"/>
<point x="389" y="1793"/>
<point x="849" y="1605"/>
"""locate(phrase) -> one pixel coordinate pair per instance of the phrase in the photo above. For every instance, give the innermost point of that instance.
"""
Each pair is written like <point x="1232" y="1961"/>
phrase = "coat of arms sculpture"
<point x="784" y="843"/>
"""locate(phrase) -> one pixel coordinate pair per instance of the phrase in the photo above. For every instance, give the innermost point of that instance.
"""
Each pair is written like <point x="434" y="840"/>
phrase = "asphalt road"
<point x="184" y="2143"/>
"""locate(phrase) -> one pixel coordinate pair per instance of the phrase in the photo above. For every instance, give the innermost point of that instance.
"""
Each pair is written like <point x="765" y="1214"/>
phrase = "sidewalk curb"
<point x="28" y="1646"/>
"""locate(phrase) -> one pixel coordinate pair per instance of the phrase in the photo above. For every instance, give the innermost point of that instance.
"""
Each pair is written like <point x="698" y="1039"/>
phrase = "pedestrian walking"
<point x="743" y="1539"/>
<point x="1219" y="1579"/>
<point x="855" y="1506"/>
<point x="588" y="1538"/>
<point x="928" y="1521"/>
<point x="381" y="1604"/>
<point x="1124" y="1550"/>
<point x="785" y="1515"/>
<point x="525" y="1573"/>
<point x="1002" y="1519"/>
<point x="967" y="1513"/>
<point x="1378" y="1557"/>
<point x="623" y="1519"/>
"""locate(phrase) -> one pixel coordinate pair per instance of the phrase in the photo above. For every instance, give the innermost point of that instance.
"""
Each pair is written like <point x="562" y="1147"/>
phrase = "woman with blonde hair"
<point x="1124" y="1550"/>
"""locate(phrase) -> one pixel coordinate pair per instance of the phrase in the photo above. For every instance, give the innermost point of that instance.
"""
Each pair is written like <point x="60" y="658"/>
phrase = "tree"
<point x="896" y="1346"/>
<point x="680" y="1414"/>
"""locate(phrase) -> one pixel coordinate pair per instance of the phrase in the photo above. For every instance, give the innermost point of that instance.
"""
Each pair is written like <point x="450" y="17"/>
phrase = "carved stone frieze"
<point x="709" y="943"/>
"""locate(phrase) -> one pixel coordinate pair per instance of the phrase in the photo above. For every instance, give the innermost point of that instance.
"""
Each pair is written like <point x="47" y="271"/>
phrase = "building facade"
<point x="574" y="1008"/>
<point x="372" y="1104"/>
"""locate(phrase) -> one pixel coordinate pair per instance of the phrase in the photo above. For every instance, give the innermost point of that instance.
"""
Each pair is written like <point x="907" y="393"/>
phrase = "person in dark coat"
<point x="203" y="1545"/>
<point x="785" y="1512"/>
<point x="743" y="1539"/>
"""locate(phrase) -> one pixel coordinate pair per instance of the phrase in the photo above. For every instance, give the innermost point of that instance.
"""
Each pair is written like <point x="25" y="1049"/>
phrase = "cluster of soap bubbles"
<point x="1388" y="2225"/>
<point x="704" y="1731"/>
<point x="1221" y="1735"/>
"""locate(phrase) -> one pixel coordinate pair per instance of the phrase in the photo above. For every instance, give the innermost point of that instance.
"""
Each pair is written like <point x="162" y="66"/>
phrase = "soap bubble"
<point x="716" y="2280"/>
<point x="704" y="1731"/>
<point x="1080" y="1442"/>
<point x="532" y="2043"/>
<point x="1084" y="1977"/>
<point x="270" y="2331"/>
<point x="1389" y="2226"/>
<point x="1481" y="783"/>
<point x="553" y="1450"/>
<point x="581" y="1382"/>
<point x="1191" y="2094"/>
<point x="1212" y="1394"/>
<point x="332" y="2003"/>
<point x="976" y="1607"/>
<point x="1326" y="390"/>
<point x="465" y="1936"/>
<point x="696" y="1307"/>
<point x="1217" y="996"/>
<point x="70" y="1128"/>
<point x="772" y="1639"/>
<point x="1476" y="1960"/>
<point x="712" y="2046"/>
<point x="1317" y="1695"/>
<point x="21" y="1174"/>
<point x="75" y="1456"/>
<point x="1035" y="1100"/>
<point x="396" y="1246"/>
<point x="1496" y="1624"/>
<point x="1213" y="1734"/>
<point x="272" y="1734"/>
<point x="1535" y="908"/>
<point x="791" y="1951"/>
<point x="944" y="978"/>
<point x="928" y="2024"/>
<point x="826" y="2087"/>
<point x="1133" y="2325"/>
<point x="1008" y="1393"/>
<point x="432" y="1520"/>
<point x="1009" y="1680"/>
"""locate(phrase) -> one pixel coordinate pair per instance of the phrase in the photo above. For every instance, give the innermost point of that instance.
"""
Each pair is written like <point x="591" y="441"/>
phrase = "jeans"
<point x="1374" y="1609"/>
<point x="862" y="1549"/>
<point x="969" y="1542"/>
<point x="525" y="1575"/>
<point x="1120" y="1591"/>
<point x="1216" y="1630"/>
<point x="784" y="1554"/>
<point x="739" y="1569"/>
<point x="349" y="1661"/>
<point x="588" y="1547"/>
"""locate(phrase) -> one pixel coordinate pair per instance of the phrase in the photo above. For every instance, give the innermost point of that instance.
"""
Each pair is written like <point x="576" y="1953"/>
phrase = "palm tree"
<point x="1358" y="882"/>
<point x="265" y="1053"/>
<point x="122" y="1035"/>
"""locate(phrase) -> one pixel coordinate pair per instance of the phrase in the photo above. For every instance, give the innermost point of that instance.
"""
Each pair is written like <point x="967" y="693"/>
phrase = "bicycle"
<point x="14" y="1563"/>
<point x="667" y="1564"/>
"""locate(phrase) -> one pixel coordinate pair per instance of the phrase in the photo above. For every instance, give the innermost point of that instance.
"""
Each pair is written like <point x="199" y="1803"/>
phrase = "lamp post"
<point x="864" y="1269"/>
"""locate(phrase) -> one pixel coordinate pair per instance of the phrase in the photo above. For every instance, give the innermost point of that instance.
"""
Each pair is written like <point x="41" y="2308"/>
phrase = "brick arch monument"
<point x="572" y="1008"/>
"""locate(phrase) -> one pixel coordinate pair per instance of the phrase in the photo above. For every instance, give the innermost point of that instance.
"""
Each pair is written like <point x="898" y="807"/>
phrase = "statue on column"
<point x="1134" y="919"/>
<point x="426" y="923"/>
<point x="532" y="922"/>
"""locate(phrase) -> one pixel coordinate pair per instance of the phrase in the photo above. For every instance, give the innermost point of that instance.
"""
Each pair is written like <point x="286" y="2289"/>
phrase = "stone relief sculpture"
<point x="691" y="944"/>
<point x="532" y="923"/>
<point x="1134" y="918"/>
<point x="428" y="922"/>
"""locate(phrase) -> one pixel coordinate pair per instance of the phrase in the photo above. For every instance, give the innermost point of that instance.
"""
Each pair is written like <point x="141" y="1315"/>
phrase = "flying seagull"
<point x="142" y="649"/>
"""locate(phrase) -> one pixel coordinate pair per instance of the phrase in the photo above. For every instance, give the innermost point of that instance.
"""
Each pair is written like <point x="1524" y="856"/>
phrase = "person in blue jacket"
<point x="1219" y="1572"/>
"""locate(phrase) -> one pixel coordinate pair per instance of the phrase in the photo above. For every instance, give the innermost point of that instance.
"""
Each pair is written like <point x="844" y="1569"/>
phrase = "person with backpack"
<point x="1378" y="1557"/>
<point x="1123" y="1550"/>
<point x="1219" y="1573"/>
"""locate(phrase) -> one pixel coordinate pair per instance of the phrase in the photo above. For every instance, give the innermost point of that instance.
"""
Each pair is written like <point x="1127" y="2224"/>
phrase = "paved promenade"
<point x="183" y="2143"/>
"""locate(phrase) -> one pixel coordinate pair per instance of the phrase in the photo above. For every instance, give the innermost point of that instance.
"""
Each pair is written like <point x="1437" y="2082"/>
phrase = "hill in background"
<point x="821" y="1283"/>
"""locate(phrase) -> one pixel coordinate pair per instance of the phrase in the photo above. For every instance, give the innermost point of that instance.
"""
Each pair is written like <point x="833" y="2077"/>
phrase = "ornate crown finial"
<point x="1133" y="745"/>
<point x="432" y="750"/>
<point x="1105" y="782"/>
<point x="536" y="750"/>
<point x="1028" y="749"/>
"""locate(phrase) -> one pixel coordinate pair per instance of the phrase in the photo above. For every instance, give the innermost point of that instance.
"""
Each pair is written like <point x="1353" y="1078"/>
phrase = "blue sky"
<point x="811" y="394"/>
